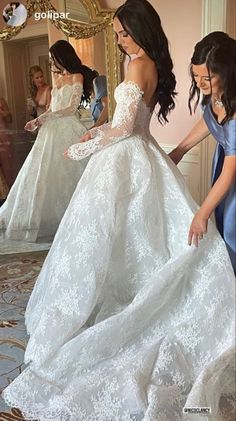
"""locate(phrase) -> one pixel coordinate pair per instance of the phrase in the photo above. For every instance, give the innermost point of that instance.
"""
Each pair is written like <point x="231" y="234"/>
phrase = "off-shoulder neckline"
<point x="67" y="84"/>
<point x="131" y="82"/>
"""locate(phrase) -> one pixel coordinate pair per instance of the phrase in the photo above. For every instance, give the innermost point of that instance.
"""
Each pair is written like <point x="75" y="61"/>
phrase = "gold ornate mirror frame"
<point x="100" y="20"/>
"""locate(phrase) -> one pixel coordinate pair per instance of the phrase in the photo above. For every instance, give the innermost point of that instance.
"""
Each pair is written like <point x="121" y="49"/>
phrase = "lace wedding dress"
<point x="126" y="321"/>
<point x="47" y="180"/>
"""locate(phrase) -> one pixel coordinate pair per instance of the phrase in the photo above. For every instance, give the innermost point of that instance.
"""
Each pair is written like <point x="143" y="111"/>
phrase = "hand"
<point x="31" y="125"/>
<point x="197" y="229"/>
<point x="176" y="156"/>
<point x="66" y="154"/>
<point x="87" y="136"/>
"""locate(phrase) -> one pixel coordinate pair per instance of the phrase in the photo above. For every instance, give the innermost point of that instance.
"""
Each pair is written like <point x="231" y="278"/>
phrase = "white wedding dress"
<point x="126" y="321"/>
<point x="44" y="186"/>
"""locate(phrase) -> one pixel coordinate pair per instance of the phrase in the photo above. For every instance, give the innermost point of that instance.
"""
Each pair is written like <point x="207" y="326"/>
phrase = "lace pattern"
<point x="126" y="321"/>
<point x="37" y="201"/>
<point x="128" y="97"/>
<point x="70" y="109"/>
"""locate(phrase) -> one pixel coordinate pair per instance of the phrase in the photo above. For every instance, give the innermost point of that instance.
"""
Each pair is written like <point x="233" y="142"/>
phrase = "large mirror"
<point x="83" y="23"/>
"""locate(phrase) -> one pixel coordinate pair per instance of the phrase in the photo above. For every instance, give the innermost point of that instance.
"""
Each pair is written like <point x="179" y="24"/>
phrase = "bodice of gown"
<point x="64" y="102"/>
<point x="224" y="134"/>
<point x="61" y="97"/>
<point x="142" y="118"/>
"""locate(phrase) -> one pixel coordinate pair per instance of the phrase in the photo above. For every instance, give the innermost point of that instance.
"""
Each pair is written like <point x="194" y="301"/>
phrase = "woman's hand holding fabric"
<point x="197" y="229"/>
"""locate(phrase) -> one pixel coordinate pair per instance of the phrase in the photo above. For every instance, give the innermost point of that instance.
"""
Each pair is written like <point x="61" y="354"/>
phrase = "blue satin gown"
<point x="225" y="213"/>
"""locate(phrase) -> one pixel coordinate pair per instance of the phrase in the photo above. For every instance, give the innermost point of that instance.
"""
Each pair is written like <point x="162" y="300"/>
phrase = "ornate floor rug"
<point x="18" y="274"/>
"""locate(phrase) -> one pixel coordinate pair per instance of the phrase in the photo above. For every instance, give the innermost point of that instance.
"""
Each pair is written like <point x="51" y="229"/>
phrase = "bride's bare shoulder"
<point x="77" y="77"/>
<point x="69" y="79"/>
<point x="140" y="70"/>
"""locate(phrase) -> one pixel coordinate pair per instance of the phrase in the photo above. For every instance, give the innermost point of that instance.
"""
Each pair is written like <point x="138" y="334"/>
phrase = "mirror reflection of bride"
<point x="46" y="181"/>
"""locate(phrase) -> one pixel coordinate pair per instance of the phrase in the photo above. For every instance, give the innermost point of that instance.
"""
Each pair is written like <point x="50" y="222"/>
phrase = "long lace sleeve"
<point x="70" y="110"/>
<point x="128" y="101"/>
<point x="105" y="127"/>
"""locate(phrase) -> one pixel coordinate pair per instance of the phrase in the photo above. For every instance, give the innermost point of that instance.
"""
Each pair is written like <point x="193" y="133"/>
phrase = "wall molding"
<point x="214" y="13"/>
<point x="36" y="30"/>
<point x="214" y="16"/>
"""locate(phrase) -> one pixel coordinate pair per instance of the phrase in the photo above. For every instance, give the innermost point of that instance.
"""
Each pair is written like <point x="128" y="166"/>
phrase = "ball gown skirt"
<point x="126" y="321"/>
<point x="43" y="188"/>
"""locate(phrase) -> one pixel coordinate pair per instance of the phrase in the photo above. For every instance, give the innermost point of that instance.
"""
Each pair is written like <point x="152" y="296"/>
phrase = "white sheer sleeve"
<point x="70" y="110"/>
<point x="105" y="127"/>
<point x="120" y="128"/>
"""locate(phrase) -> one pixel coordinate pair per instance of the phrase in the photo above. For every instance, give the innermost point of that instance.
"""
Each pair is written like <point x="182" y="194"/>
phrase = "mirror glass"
<point x="26" y="50"/>
<point x="77" y="11"/>
<point x="91" y="50"/>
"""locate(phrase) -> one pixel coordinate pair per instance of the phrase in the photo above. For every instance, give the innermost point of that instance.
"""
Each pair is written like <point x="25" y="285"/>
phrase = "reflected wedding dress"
<point x="47" y="180"/>
<point x="126" y="321"/>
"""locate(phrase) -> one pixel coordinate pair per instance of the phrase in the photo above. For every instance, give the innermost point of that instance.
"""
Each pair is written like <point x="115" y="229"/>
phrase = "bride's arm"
<point x="120" y="128"/>
<point x="70" y="110"/>
<point x="51" y="115"/>
<point x="130" y="95"/>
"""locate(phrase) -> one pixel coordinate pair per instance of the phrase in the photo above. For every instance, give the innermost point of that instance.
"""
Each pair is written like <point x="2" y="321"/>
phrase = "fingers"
<point x="190" y="237"/>
<point x="85" y="138"/>
<point x="194" y="238"/>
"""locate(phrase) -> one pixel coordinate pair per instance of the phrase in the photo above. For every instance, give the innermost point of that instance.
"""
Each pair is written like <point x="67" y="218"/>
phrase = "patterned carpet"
<point x="17" y="277"/>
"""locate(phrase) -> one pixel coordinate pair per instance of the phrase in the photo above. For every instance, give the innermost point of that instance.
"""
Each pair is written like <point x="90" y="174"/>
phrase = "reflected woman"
<point x="46" y="181"/>
<point x="40" y="93"/>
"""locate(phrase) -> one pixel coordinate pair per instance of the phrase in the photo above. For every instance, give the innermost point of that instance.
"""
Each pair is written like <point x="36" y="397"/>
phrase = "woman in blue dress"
<point x="213" y="74"/>
<point x="99" y="105"/>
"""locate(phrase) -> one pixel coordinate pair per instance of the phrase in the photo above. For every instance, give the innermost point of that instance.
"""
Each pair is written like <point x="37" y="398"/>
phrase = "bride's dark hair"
<point x="141" y="21"/>
<point x="65" y="55"/>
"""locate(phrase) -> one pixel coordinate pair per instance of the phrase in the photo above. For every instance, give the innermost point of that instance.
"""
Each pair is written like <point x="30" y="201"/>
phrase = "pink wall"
<point x="181" y="20"/>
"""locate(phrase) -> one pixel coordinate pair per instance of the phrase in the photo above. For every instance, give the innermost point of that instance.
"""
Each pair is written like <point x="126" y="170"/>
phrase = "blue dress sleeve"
<point x="230" y="137"/>
<point x="100" y="87"/>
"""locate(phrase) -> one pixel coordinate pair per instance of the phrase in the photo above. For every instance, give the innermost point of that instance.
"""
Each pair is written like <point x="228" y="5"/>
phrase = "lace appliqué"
<point x="129" y="96"/>
<point x="70" y="110"/>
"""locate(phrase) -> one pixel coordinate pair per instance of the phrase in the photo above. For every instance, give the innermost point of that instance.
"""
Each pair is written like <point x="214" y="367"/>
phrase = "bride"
<point x="46" y="181"/>
<point x="126" y="320"/>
